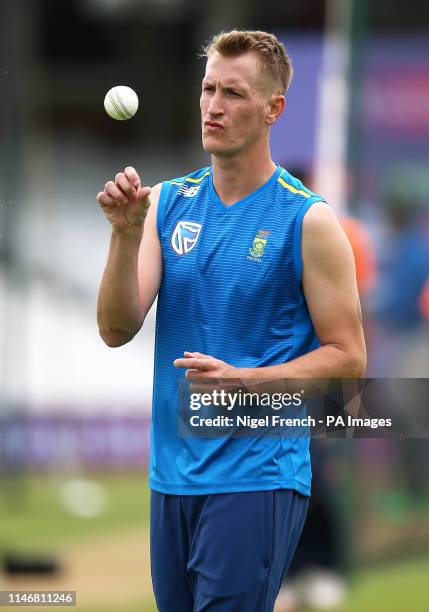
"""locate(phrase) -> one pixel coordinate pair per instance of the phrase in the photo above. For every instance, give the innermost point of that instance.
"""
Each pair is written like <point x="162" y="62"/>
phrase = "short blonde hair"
<point x="273" y="57"/>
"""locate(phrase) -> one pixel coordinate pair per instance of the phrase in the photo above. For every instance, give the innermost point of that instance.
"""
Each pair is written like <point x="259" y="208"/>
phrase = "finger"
<point x="104" y="199"/>
<point x="193" y="373"/>
<point x="189" y="373"/>
<point x="132" y="176"/>
<point x="205" y="365"/>
<point x="125" y="185"/>
<point x="111" y="188"/>
<point x="182" y="363"/>
<point x="194" y="363"/>
<point x="143" y="193"/>
<point x="196" y="354"/>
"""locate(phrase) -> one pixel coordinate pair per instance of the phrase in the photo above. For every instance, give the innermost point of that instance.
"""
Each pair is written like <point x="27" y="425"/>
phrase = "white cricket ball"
<point x="121" y="102"/>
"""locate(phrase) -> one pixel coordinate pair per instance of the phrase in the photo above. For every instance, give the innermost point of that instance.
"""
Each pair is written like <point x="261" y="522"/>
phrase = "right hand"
<point x="124" y="201"/>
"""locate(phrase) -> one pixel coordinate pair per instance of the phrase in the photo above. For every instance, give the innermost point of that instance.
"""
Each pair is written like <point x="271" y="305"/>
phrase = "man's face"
<point x="234" y="104"/>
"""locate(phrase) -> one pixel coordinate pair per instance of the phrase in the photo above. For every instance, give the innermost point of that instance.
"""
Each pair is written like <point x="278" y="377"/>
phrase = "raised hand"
<point x="125" y="201"/>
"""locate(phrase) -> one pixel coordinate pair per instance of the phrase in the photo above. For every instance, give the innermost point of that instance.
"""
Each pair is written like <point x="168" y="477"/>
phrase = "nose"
<point x="215" y="107"/>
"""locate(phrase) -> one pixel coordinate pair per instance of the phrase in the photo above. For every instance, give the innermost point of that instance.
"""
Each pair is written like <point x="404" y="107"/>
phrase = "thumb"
<point x="143" y="193"/>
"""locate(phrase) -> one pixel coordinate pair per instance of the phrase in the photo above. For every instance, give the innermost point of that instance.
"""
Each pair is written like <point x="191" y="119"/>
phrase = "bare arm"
<point x="130" y="281"/>
<point x="329" y="284"/>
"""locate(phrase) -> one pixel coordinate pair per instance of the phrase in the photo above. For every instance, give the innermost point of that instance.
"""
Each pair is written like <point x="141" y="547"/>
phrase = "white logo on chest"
<point x="185" y="236"/>
<point x="189" y="192"/>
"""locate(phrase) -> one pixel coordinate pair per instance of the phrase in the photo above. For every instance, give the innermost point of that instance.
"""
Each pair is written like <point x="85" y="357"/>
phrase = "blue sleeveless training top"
<point x="231" y="288"/>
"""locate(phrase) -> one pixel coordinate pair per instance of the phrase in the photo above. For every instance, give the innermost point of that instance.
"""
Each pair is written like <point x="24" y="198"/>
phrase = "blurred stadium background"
<point x="74" y="414"/>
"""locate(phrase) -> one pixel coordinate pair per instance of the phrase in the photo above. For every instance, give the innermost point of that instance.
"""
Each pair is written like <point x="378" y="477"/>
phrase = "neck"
<point x="236" y="177"/>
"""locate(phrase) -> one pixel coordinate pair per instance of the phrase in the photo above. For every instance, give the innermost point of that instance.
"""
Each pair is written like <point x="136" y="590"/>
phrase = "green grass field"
<point x="401" y="588"/>
<point x="32" y="518"/>
<point x="33" y="515"/>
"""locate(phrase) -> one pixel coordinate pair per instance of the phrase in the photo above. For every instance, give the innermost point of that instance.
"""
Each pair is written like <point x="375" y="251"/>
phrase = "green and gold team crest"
<point x="258" y="246"/>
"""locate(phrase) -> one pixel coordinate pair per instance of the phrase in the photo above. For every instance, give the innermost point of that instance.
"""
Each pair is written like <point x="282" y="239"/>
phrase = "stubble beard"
<point x="225" y="150"/>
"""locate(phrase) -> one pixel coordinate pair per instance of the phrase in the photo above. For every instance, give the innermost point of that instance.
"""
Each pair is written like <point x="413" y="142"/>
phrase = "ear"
<point x="276" y="106"/>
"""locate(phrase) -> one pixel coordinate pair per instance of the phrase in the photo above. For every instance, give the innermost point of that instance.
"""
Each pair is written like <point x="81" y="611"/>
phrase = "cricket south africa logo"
<point x="258" y="247"/>
<point x="185" y="236"/>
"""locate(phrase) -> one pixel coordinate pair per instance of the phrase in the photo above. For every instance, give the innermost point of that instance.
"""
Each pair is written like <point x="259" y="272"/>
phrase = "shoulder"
<point x="323" y="239"/>
<point x="194" y="177"/>
<point x="320" y="218"/>
<point x="153" y="208"/>
<point x="154" y="195"/>
<point x="188" y="185"/>
<point x="294" y="187"/>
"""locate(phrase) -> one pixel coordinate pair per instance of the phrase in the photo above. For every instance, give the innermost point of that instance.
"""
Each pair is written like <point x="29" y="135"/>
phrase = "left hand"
<point x="199" y="365"/>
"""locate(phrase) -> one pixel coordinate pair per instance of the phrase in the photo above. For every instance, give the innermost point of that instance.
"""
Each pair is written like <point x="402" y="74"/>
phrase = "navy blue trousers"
<point x="226" y="552"/>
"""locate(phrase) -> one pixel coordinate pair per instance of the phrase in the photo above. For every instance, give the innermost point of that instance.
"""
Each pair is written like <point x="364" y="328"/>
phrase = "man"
<point x="255" y="280"/>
